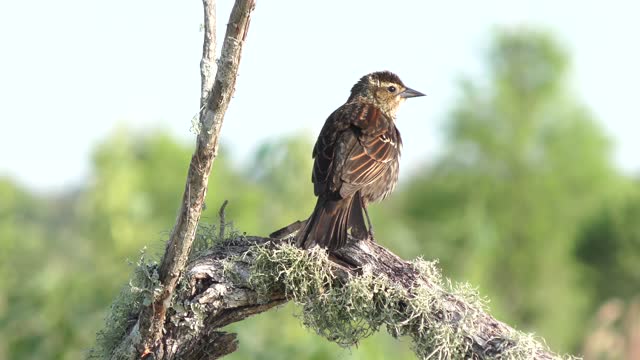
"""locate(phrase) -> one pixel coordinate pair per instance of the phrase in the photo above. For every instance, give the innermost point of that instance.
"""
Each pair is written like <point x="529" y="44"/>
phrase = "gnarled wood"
<point x="225" y="297"/>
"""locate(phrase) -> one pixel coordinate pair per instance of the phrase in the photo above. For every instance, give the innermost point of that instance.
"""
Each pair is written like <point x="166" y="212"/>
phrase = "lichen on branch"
<point x="343" y="297"/>
<point x="345" y="309"/>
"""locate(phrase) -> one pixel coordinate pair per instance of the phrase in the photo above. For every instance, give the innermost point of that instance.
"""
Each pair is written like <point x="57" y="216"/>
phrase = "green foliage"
<point x="44" y="303"/>
<point x="282" y="169"/>
<point x="142" y="288"/>
<point x="524" y="166"/>
<point x="609" y="246"/>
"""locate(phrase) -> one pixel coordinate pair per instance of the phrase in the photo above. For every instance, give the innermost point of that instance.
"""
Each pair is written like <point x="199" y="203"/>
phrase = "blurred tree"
<point x="283" y="168"/>
<point x="41" y="296"/>
<point x="524" y="164"/>
<point x="609" y="247"/>
<point x="615" y="332"/>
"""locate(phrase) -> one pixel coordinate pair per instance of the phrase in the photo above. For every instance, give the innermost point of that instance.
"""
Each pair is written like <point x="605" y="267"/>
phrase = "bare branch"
<point x="215" y="99"/>
<point x="208" y="63"/>
<point x="223" y="221"/>
<point x="245" y="276"/>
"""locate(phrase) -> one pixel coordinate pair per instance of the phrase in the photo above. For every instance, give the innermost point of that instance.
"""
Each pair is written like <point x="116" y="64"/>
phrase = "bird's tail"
<point x="331" y="221"/>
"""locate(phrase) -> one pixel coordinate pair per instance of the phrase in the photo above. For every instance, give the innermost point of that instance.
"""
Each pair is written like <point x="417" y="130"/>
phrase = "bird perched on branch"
<point x="356" y="161"/>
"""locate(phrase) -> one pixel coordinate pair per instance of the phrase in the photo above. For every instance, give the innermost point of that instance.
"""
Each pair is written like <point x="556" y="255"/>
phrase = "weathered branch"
<point x="364" y="283"/>
<point x="208" y="63"/>
<point x="214" y="100"/>
<point x="214" y="298"/>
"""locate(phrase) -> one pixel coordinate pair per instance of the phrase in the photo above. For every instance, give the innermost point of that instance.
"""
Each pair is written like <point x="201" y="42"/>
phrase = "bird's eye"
<point x="391" y="89"/>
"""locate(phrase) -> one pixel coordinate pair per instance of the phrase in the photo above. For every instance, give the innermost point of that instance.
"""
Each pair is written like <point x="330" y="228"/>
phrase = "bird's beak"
<point x="409" y="93"/>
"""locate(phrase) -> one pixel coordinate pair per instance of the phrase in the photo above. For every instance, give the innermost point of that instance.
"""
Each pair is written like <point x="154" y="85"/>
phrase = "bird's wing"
<point x="378" y="144"/>
<point x="324" y="150"/>
<point x="354" y="149"/>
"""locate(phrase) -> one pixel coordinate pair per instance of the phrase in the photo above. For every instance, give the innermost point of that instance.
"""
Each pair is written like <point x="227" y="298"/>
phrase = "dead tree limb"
<point x="215" y="99"/>
<point x="345" y="297"/>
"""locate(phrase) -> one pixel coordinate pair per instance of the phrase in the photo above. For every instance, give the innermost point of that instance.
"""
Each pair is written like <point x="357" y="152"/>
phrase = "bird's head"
<point x="384" y="89"/>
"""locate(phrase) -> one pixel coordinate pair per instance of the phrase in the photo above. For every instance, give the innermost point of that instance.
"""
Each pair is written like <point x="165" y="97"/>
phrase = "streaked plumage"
<point x="356" y="160"/>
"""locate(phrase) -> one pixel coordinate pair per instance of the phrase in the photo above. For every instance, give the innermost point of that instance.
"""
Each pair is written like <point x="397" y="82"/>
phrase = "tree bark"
<point x="215" y="98"/>
<point x="225" y="296"/>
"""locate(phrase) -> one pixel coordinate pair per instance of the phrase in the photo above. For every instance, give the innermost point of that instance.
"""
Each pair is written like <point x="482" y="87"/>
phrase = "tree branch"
<point x="215" y="99"/>
<point x="207" y="64"/>
<point x="346" y="296"/>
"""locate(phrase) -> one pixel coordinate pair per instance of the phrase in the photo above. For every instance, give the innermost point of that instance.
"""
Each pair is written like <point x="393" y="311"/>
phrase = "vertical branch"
<point x="214" y="99"/>
<point x="208" y="62"/>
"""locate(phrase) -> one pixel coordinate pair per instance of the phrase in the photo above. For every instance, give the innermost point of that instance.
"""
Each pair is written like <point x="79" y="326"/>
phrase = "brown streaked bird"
<point x="356" y="161"/>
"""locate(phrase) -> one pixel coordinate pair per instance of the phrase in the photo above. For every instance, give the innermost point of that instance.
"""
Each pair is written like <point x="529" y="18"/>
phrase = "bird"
<point x="356" y="161"/>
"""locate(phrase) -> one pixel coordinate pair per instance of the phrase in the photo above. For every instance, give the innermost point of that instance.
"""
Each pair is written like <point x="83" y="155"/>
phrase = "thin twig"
<point x="222" y="219"/>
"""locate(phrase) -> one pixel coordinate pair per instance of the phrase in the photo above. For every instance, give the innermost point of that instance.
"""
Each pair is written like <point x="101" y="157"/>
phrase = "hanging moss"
<point x="347" y="312"/>
<point x="342" y="311"/>
<point x="123" y="314"/>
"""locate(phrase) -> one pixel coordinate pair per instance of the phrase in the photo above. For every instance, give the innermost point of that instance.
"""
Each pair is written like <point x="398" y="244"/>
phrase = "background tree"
<point x="524" y="164"/>
<point x="609" y="247"/>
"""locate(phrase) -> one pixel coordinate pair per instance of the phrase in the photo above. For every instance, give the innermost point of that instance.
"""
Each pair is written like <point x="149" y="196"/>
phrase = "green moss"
<point x="142" y="287"/>
<point x="302" y="275"/>
<point x="347" y="312"/>
<point x="208" y="236"/>
<point x="341" y="311"/>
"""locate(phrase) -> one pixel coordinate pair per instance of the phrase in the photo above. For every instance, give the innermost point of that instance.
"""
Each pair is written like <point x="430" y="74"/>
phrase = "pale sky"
<point x="71" y="71"/>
